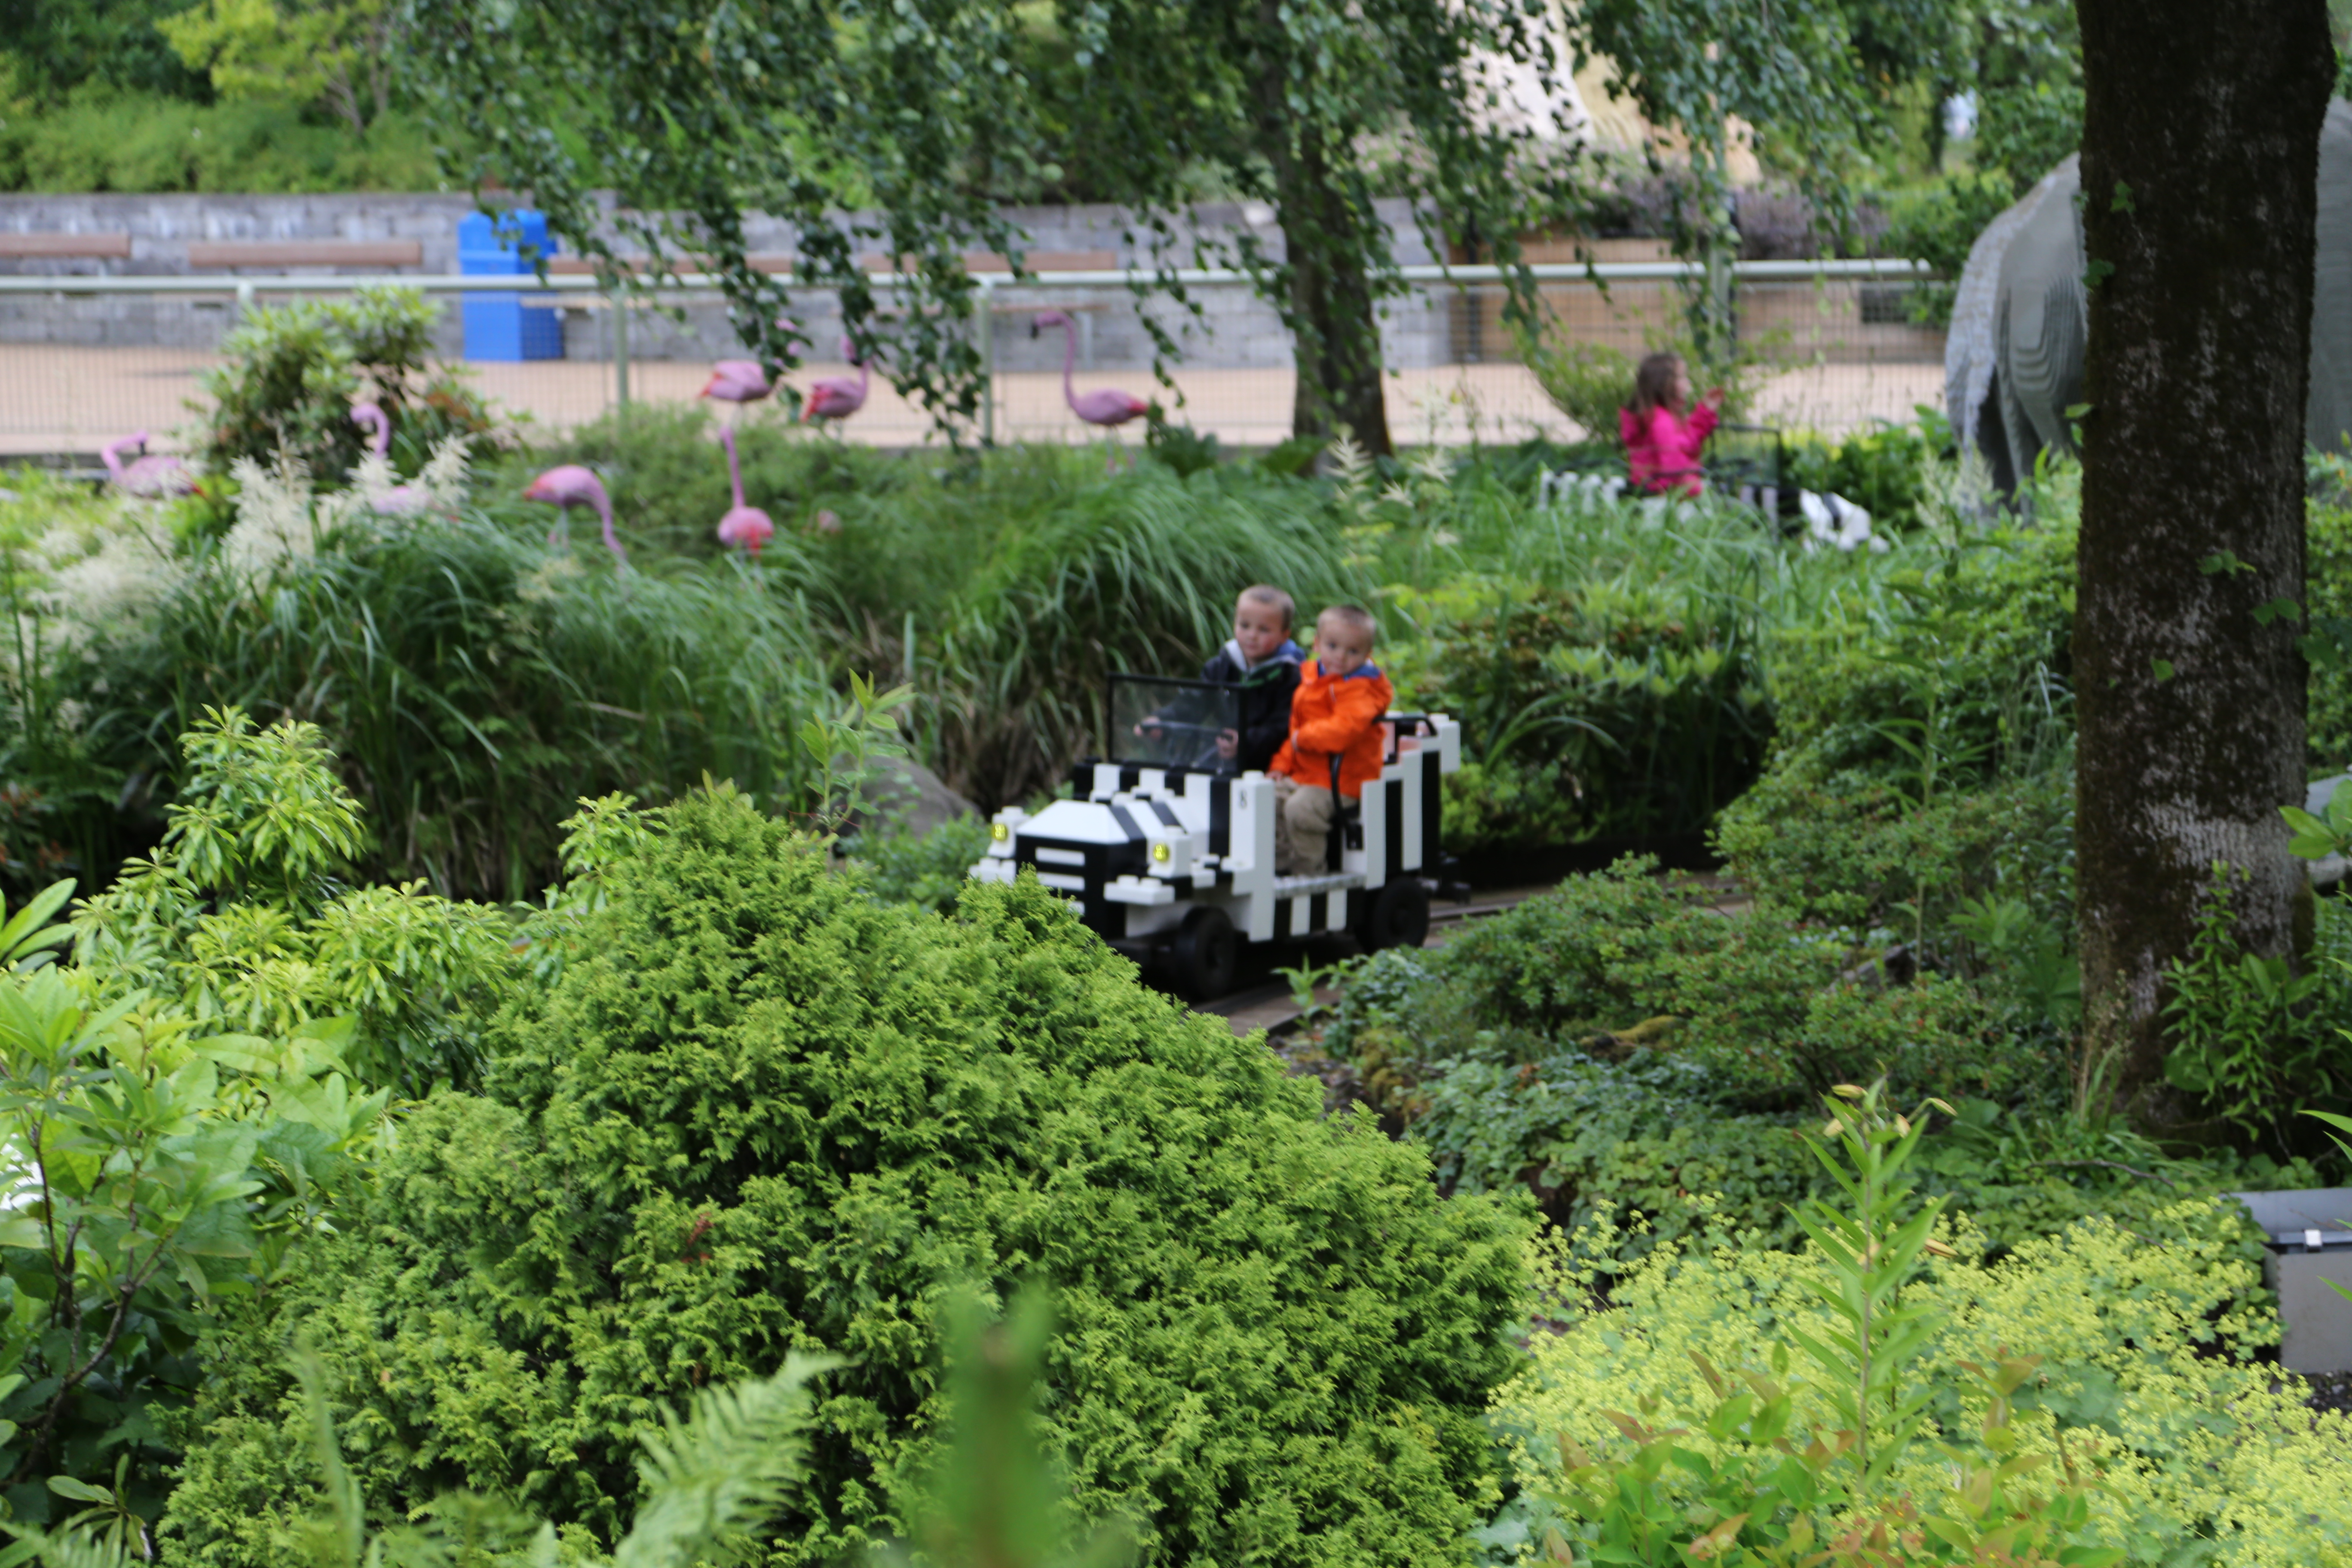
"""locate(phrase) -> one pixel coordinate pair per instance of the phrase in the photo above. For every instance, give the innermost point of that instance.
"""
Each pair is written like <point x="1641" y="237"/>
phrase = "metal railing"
<point x="81" y="359"/>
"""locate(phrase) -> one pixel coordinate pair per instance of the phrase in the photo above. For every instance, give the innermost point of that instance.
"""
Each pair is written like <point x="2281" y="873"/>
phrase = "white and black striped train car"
<point x="1180" y="861"/>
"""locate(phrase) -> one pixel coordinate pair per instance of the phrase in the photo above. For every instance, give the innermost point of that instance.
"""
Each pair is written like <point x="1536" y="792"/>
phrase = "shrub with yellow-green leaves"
<point x="2195" y="1459"/>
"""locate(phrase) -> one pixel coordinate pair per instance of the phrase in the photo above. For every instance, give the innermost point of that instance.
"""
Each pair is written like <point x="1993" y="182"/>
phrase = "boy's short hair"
<point x="1354" y="616"/>
<point x="1275" y="599"/>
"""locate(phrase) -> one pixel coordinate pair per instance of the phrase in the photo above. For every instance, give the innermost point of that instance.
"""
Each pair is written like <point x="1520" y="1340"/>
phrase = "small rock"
<point x="909" y="796"/>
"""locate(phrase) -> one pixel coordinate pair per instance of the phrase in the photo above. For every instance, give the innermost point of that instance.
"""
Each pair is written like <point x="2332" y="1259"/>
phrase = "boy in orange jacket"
<point x="1336" y="712"/>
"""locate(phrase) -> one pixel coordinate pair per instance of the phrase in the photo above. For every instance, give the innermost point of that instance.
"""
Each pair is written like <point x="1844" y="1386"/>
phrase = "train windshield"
<point x="1158" y="723"/>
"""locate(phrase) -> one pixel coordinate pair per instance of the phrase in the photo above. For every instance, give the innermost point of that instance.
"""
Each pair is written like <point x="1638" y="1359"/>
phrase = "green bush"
<point x="1852" y="849"/>
<point x="2327" y="571"/>
<point x="1958" y="649"/>
<point x="760" y="1112"/>
<point x="1587" y="382"/>
<point x="1601" y="713"/>
<point x="929" y="870"/>
<point x="1619" y="963"/>
<point x="2253" y="1043"/>
<point x="103" y="138"/>
<point x="295" y="371"/>
<point x="1883" y="470"/>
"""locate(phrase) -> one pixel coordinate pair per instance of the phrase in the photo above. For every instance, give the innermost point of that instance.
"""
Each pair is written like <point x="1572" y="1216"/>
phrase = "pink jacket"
<point x="1662" y="448"/>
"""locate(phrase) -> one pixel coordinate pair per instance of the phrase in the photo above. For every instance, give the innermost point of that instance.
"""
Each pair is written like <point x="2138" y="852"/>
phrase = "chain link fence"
<point x="1832" y="347"/>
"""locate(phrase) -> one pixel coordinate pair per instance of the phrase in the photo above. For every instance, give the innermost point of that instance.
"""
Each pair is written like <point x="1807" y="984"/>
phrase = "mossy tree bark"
<point x="1326" y="223"/>
<point x="2201" y="147"/>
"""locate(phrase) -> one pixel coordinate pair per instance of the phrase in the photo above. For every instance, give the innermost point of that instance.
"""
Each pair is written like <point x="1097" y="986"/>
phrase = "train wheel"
<point x="1205" y="954"/>
<point x="1397" y="916"/>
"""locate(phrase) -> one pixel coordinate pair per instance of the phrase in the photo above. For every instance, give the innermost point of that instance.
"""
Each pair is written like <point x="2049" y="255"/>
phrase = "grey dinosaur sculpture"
<point x="2013" y="360"/>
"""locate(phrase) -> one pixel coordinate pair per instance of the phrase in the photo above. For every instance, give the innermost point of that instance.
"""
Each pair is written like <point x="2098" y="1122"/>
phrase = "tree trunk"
<point x="1339" y="337"/>
<point x="1325" y="216"/>
<point x="2200" y="148"/>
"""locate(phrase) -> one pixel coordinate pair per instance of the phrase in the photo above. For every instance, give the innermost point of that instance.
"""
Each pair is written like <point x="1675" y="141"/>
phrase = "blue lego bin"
<point x="500" y="326"/>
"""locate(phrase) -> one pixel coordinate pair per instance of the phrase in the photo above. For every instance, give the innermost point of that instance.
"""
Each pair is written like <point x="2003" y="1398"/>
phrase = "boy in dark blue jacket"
<point x="1264" y="662"/>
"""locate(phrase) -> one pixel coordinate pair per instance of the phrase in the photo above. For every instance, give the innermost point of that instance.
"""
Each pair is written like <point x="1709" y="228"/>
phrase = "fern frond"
<point x="722" y="1470"/>
<point x="78" y="1545"/>
<point x="339" y="1539"/>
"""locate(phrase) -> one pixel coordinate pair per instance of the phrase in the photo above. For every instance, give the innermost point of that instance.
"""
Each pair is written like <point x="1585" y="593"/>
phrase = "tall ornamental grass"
<point x="476" y="683"/>
<point x="1006" y="584"/>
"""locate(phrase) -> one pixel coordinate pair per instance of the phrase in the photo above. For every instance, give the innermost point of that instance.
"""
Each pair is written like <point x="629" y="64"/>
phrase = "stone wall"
<point x="1232" y="330"/>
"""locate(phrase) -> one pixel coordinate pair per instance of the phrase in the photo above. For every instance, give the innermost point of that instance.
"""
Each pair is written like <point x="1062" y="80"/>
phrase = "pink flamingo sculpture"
<point x="745" y="525"/>
<point x="150" y="477"/>
<point x="738" y="381"/>
<point x="572" y="486"/>
<point x="401" y="500"/>
<point x="1105" y="407"/>
<point x="837" y="396"/>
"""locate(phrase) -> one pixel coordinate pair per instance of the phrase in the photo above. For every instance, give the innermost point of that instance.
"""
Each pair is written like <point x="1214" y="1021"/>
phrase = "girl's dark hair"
<point x="1654" y="383"/>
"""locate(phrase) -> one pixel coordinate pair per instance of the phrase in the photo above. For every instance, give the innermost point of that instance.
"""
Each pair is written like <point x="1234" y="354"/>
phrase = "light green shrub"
<point x="760" y="1112"/>
<point x="2198" y="1459"/>
<point x="244" y="919"/>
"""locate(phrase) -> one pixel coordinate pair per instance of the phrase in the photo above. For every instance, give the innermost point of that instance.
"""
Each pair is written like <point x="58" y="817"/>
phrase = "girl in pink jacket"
<point x="1661" y="447"/>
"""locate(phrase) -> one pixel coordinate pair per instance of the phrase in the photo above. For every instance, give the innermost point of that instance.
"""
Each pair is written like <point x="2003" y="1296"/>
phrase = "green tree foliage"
<point x="795" y="108"/>
<point x="58" y="45"/>
<point x="1281" y="102"/>
<point x="758" y="1113"/>
<point x="337" y="52"/>
<point x="1817" y="82"/>
<point x="102" y="138"/>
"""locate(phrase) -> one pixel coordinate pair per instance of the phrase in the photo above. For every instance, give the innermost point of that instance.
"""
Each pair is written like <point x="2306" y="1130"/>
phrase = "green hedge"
<point x="763" y="1112"/>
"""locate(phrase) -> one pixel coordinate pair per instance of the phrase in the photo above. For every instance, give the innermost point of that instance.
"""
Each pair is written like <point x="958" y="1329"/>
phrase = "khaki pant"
<point x="1303" y="814"/>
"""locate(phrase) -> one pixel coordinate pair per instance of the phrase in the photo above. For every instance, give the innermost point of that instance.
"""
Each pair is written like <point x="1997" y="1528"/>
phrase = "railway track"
<point x="1268" y="1004"/>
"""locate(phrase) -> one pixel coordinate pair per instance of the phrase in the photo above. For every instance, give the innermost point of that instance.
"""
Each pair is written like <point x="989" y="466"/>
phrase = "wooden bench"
<point x="28" y="246"/>
<point x="977" y="262"/>
<point x="205" y="253"/>
<point x="582" y="267"/>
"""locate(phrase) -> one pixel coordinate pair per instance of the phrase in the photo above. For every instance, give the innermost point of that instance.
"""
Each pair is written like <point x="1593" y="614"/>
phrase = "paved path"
<point x="62" y="399"/>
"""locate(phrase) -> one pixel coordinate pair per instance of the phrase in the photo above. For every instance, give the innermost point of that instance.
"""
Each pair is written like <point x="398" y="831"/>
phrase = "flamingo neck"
<point x="111" y="456"/>
<point x="380" y="434"/>
<point x="603" y="505"/>
<point x="734" y="468"/>
<point x="1069" y="362"/>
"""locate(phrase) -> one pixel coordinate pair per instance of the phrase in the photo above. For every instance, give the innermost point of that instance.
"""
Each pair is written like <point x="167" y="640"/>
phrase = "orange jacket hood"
<point x="1336" y="716"/>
